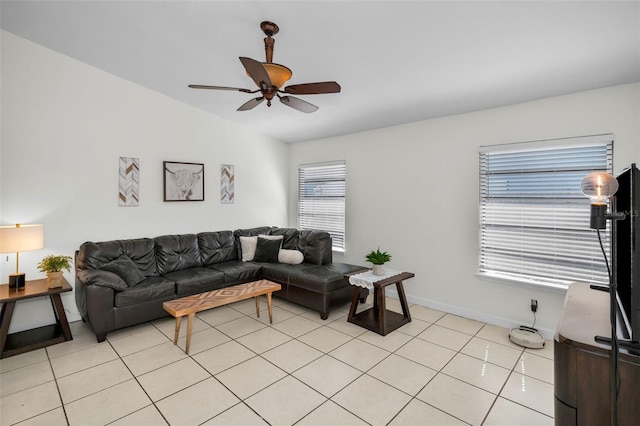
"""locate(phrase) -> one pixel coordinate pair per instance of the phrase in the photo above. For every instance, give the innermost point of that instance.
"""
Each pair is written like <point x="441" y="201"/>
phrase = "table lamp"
<point x="16" y="239"/>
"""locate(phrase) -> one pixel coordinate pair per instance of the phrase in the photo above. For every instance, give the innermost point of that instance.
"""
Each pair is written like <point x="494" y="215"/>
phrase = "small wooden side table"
<point x="29" y="340"/>
<point x="378" y="318"/>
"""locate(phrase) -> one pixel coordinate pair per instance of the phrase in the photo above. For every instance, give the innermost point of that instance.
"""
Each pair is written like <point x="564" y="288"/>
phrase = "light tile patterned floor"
<point x="440" y="369"/>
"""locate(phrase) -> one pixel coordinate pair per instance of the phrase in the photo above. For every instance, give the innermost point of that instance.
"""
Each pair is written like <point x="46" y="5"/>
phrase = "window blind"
<point x="534" y="219"/>
<point x="321" y="199"/>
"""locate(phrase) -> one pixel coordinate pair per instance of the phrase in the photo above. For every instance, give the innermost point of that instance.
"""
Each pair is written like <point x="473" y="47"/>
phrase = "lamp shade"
<point x="278" y="74"/>
<point x="19" y="238"/>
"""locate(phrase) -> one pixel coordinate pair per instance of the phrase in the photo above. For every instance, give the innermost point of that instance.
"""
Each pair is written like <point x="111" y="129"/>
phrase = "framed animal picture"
<point x="183" y="181"/>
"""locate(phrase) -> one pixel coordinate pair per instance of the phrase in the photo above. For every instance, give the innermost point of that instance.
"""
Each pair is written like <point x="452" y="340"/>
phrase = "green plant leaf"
<point x="378" y="257"/>
<point x="55" y="263"/>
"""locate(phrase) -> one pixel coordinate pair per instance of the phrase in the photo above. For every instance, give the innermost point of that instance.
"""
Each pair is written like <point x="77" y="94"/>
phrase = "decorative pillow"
<point x="248" y="245"/>
<point x="292" y="257"/>
<point x="267" y="250"/>
<point x="271" y="237"/>
<point x="126" y="269"/>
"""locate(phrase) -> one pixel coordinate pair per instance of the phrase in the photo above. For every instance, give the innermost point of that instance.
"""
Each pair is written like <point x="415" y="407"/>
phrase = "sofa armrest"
<point x="95" y="296"/>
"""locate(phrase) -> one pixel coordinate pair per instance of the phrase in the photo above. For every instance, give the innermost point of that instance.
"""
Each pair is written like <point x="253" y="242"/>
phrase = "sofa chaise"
<point x="124" y="282"/>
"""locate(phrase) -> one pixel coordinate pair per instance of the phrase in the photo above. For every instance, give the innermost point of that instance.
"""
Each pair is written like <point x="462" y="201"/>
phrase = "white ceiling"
<point x="397" y="61"/>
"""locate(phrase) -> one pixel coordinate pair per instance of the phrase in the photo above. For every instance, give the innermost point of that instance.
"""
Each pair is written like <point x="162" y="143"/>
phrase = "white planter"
<point x="378" y="269"/>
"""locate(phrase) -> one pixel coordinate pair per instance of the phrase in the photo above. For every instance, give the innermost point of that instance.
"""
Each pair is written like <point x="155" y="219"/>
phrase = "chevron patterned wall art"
<point x="227" y="184"/>
<point x="128" y="195"/>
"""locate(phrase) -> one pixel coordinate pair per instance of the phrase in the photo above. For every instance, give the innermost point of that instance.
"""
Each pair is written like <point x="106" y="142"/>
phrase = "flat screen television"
<point x="626" y="269"/>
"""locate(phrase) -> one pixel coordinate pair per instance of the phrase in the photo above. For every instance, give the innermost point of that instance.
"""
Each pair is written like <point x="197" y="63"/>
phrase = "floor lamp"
<point x="16" y="239"/>
<point x="600" y="188"/>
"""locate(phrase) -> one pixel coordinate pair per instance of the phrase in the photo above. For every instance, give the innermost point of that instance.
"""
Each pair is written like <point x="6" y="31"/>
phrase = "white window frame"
<point x="533" y="217"/>
<point x="322" y="199"/>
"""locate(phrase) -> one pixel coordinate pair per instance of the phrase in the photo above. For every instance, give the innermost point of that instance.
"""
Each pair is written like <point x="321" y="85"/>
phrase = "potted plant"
<point x="53" y="266"/>
<point x="378" y="258"/>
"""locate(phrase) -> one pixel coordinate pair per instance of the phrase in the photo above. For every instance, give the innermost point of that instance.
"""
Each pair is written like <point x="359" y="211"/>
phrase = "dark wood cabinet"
<point x="582" y="366"/>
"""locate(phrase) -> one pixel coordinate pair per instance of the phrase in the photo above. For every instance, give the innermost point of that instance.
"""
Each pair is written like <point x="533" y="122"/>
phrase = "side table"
<point x="378" y="318"/>
<point x="29" y="340"/>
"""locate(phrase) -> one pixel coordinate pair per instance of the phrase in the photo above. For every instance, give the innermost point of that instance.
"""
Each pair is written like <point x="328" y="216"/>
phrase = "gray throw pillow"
<point x="126" y="269"/>
<point x="267" y="250"/>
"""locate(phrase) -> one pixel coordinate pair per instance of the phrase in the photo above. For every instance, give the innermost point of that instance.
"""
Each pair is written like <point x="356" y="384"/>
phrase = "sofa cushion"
<point x="177" y="252"/>
<point x="141" y="251"/>
<point x="101" y="278"/>
<point x="281" y="272"/>
<point x="316" y="246"/>
<point x="267" y="249"/>
<point x="290" y="237"/>
<point x="322" y="278"/>
<point x="126" y="269"/>
<point x="217" y="247"/>
<point x="152" y="288"/>
<point x="238" y="271"/>
<point x="196" y="280"/>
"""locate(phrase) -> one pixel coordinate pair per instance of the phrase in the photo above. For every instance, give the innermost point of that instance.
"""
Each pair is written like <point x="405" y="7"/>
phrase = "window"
<point x="321" y="199"/>
<point x="534" y="220"/>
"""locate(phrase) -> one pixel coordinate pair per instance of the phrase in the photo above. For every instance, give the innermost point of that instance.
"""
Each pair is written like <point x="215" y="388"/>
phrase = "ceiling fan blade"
<point x="256" y="71"/>
<point x="313" y="88"/>
<point x="200" y="86"/>
<point x="298" y="104"/>
<point x="251" y="103"/>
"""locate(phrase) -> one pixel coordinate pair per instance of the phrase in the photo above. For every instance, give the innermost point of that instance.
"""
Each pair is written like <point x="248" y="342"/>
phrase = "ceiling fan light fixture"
<point x="278" y="74"/>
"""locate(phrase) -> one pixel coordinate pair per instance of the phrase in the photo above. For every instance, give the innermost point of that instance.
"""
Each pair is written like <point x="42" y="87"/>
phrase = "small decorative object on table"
<point x="53" y="266"/>
<point x="378" y="259"/>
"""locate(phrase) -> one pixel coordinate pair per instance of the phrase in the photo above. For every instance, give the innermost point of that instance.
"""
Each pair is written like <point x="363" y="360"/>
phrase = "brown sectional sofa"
<point x="124" y="282"/>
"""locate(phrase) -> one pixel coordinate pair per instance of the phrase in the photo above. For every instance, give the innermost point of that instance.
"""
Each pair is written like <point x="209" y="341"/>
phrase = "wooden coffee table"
<point x="200" y="302"/>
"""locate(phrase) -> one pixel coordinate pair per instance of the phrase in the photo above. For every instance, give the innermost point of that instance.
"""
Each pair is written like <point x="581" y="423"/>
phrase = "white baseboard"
<point x="474" y="315"/>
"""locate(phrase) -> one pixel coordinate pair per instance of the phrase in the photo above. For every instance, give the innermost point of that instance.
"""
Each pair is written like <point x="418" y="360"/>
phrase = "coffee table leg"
<point x="177" y="332"/>
<point x="189" y="328"/>
<point x="269" y="306"/>
<point x="257" y="306"/>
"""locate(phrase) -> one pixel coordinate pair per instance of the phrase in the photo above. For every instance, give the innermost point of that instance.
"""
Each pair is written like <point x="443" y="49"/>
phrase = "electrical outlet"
<point x="534" y="305"/>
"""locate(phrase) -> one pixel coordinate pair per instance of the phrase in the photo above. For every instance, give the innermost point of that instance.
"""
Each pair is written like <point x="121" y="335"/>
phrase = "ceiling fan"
<point x="270" y="77"/>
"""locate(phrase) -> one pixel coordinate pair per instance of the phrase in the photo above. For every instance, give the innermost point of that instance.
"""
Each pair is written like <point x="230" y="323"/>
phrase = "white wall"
<point x="64" y="126"/>
<point x="413" y="191"/>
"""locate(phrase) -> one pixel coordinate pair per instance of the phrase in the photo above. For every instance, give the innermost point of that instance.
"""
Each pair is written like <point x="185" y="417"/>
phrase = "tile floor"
<point x="440" y="369"/>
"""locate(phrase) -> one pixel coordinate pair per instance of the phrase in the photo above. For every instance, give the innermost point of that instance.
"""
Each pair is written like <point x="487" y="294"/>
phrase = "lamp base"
<point x="17" y="281"/>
